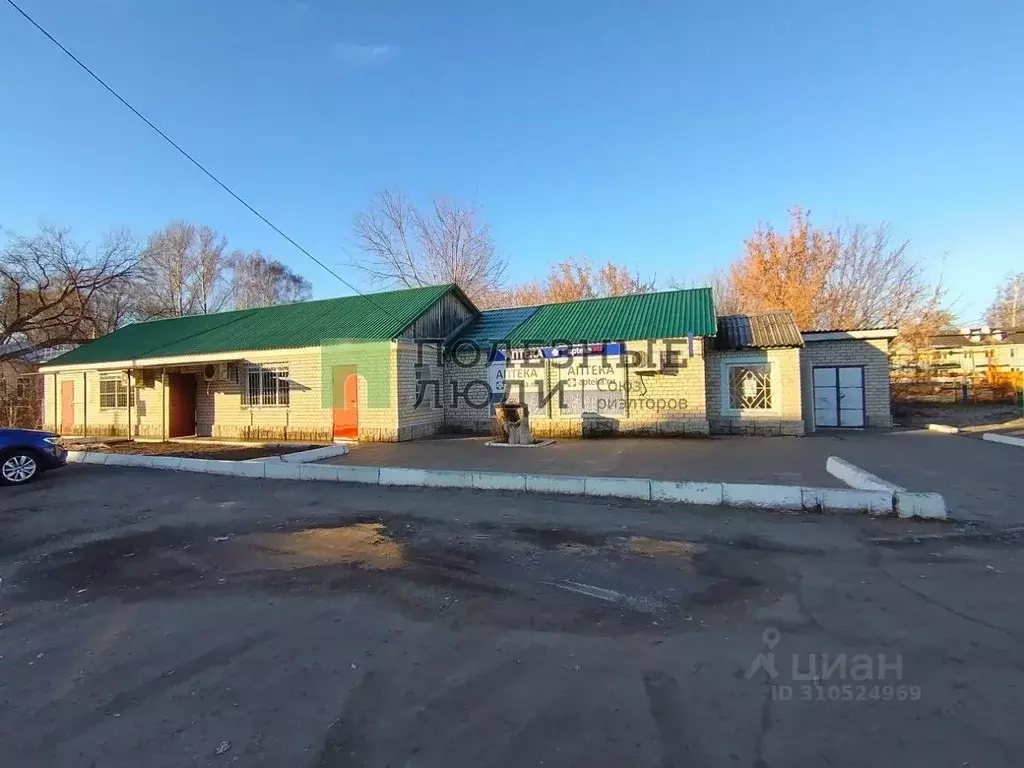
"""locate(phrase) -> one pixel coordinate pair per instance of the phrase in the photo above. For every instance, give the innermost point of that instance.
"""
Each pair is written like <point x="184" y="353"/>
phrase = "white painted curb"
<point x="763" y="496"/>
<point x="499" y="481"/>
<point x="304" y="457"/>
<point x="556" y="484"/>
<point x="760" y="496"/>
<point x="944" y="428"/>
<point x="927" y="505"/>
<point x="538" y="444"/>
<point x="993" y="437"/>
<point x="848" y="500"/>
<point x="686" y="493"/>
<point x="429" y="478"/>
<point x="855" y="477"/>
<point x="619" y="487"/>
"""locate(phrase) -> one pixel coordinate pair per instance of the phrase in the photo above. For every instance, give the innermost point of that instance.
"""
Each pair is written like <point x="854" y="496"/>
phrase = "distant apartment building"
<point x="976" y="351"/>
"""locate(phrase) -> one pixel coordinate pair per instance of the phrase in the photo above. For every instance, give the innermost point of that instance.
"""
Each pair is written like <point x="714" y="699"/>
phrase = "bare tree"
<point x="183" y="272"/>
<point x="1007" y="309"/>
<point x="406" y="247"/>
<point x="259" y="281"/>
<point x="51" y="288"/>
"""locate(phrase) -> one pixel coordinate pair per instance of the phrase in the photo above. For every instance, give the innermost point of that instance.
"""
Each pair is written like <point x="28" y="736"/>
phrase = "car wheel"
<point x="18" y="467"/>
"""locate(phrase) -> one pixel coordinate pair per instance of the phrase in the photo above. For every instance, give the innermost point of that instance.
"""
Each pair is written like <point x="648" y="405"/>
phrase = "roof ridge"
<point x="761" y="313"/>
<point x="281" y="326"/>
<point x="222" y="313"/>
<point x="603" y="298"/>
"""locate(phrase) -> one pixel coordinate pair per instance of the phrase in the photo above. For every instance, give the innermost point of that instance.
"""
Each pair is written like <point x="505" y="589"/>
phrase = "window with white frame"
<point x="114" y="391"/>
<point x="266" y="385"/>
<point x="750" y="387"/>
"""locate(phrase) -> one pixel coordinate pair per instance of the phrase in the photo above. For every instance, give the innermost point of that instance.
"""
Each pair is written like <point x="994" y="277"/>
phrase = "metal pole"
<point x="129" y="389"/>
<point x="55" y="425"/>
<point x="85" y="404"/>
<point x="163" y="405"/>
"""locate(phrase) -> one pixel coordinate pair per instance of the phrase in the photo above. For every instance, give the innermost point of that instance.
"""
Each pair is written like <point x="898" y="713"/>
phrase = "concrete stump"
<point x="512" y="424"/>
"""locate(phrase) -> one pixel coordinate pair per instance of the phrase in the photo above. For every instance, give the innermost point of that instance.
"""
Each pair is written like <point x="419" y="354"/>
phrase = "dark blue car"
<point x="25" y="453"/>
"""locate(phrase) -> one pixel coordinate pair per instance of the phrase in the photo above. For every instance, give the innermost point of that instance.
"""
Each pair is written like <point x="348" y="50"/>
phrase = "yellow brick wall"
<point x="459" y="415"/>
<point x="873" y="354"/>
<point x="220" y="412"/>
<point x="663" y="403"/>
<point x="786" y="416"/>
<point x="380" y="423"/>
<point x="416" y="364"/>
<point x="145" y="415"/>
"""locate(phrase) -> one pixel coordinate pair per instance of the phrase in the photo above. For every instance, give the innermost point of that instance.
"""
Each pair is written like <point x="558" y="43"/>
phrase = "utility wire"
<point x="189" y="157"/>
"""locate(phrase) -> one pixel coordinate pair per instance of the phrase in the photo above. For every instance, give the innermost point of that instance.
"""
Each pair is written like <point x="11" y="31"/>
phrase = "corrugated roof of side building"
<point x="377" y="316"/>
<point x="495" y="325"/>
<point x="761" y="330"/>
<point x="663" y="315"/>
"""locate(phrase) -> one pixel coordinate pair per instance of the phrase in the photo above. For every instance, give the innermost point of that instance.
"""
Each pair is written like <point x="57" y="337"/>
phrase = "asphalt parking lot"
<point x="721" y="459"/>
<point x="160" y="619"/>
<point x="980" y="480"/>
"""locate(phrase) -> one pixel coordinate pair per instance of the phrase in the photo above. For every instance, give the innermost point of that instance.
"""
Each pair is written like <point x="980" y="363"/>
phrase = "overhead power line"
<point x="189" y="157"/>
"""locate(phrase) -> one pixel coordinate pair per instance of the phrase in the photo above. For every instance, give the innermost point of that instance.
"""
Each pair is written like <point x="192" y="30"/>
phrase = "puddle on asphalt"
<point x="364" y="544"/>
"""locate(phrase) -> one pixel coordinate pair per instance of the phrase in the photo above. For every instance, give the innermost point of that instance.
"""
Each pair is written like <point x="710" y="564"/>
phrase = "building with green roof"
<point x="406" y="364"/>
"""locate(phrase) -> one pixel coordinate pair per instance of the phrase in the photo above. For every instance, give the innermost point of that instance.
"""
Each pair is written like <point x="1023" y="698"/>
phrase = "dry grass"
<point x="220" y="451"/>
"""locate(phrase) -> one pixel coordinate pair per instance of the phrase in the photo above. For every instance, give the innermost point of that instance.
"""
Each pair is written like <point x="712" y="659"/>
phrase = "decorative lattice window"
<point x="114" y="391"/>
<point x="750" y="387"/>
<point x="266" y="385"/>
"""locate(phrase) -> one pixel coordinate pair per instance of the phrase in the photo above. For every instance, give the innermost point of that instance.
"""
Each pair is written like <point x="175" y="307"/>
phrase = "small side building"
<point x="753" y="374"/>
<point x="765" y="377"/>
<point x="845" y="377"/>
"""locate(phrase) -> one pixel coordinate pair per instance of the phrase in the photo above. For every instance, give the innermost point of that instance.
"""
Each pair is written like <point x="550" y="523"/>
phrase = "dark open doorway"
<point x="181" y="405"/>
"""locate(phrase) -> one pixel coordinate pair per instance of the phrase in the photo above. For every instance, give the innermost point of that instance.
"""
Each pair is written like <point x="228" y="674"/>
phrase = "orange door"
<point x="345" y="392"/>
<point x="67" y="407"/>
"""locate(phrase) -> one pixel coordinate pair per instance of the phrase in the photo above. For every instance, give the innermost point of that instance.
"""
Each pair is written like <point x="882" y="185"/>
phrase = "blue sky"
<point x="655" y="134"/>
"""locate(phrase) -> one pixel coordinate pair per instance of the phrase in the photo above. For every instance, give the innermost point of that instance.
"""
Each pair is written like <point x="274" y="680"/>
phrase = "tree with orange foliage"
<point x="572" y="280"/>
<point x="786" y="270"/>
<point x="836" y="278"/>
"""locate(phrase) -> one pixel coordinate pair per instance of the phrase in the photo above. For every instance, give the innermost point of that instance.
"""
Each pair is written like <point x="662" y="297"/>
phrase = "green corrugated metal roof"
<point x="377" y="316"/>
<point x="664" y="315"/>
<point x="495" y="325"/>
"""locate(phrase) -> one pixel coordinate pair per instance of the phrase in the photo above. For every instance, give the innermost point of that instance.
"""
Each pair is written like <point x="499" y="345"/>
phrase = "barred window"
<point x="750" y="387"/>
<point x="114" y="391"/>
<point x="266" y="385"/>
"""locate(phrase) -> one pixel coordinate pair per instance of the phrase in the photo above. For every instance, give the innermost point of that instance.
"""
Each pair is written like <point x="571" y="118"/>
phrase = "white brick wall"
<point x="415" y="364"/>
<point x="666" y="403"/>
<point x="220" y="412"/>
<point x="785" y="418"/>
<point x="873" y="354"/>
<point x="145" y="415"/>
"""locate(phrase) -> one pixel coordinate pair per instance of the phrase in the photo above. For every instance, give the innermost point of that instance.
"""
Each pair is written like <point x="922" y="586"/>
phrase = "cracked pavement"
<point x="159" y="618"/>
